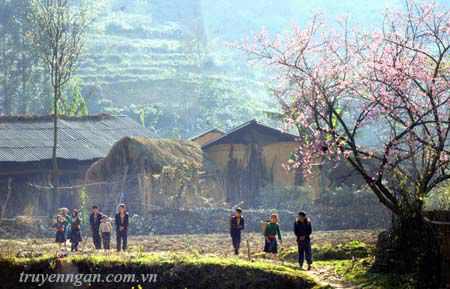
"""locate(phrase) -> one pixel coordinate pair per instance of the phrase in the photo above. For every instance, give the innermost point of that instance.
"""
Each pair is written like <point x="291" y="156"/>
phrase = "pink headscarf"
<point x="274" y="215"/>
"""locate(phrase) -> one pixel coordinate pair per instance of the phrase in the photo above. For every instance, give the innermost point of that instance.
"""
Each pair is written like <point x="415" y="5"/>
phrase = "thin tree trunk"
<point x="6" y="105"/>
<point x="55" y="144"/>
<point x="24" y="77"/>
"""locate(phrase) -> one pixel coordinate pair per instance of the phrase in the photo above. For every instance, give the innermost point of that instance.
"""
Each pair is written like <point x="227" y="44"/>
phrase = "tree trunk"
<point x="54" y="157"/>
<point x="7" y="104"/>
<point x="410" y="246"/>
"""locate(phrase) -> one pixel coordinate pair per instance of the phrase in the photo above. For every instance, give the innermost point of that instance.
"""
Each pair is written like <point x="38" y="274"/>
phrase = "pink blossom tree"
<point x="340" y="87"/>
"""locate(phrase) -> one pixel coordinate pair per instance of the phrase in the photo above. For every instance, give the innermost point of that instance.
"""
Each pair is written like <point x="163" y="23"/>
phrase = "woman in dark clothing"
<point x="303" y="230"/>
<point x="75" y="232"/>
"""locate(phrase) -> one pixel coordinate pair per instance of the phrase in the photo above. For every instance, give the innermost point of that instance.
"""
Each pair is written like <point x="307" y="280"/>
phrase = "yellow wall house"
<point x="250" y="157"/>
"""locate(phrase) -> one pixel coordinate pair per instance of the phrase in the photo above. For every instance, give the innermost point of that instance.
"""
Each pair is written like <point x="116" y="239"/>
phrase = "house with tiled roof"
<point x="26" y="156"/>
<point x="250" y="157"/>
<point x="207" y="136"/>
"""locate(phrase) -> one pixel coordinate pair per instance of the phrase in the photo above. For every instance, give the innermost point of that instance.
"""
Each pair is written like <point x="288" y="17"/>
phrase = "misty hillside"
<point x="165" y="63"/>
<point x="156" y="57"/>
<point x="165" y="60"/>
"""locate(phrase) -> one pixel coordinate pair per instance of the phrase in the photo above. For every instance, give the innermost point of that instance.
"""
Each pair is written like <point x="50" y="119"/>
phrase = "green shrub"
<point x="348" y="251"/>
<point x="353" y="249"/>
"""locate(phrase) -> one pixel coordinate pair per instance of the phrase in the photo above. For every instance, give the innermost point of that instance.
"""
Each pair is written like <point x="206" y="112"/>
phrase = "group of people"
<point x="68" y="228"/>
<point x="272" y="232"/>
<point x="102" y="229"/>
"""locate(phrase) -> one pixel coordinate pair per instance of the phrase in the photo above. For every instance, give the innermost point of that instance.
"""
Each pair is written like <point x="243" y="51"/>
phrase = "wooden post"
<point x="248" y="250"/>
<point x="5" y="204"/>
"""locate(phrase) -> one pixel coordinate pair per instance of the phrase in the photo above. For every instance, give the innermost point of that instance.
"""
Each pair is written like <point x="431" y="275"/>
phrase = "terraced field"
<point x="136" y="60"/>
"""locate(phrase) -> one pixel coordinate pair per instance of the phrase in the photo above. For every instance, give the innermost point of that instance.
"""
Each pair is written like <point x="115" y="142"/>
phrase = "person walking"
<point x="303" y="231"/>
<point x="236" y="227"/>
<point x="271" y="231"/>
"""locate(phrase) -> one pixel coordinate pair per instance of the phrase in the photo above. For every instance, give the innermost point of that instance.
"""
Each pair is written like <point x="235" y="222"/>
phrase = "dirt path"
<point x="328" y="276"/>
<point x="325" y="275"/>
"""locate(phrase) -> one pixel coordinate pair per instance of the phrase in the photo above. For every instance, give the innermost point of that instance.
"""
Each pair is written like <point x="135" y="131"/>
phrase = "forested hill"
<point x="154" y="59"/>
<point x="166" y="60"/>
<point x="164" y="63"/>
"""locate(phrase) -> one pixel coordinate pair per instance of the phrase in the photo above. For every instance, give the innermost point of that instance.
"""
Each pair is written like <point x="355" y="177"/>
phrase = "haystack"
<point x="146" y="173"/>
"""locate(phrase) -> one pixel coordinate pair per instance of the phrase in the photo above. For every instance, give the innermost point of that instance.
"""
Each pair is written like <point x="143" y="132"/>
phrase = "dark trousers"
<point x="304" y="252"/>
<point x="96" y="238"/>
<point x="106" y="237"/>
<point x="74" y="246"/>
<point x="236" y="239"/>
<point x="121" y="237"/>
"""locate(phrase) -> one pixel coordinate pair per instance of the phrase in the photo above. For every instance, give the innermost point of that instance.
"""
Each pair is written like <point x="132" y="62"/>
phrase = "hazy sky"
<point x="233" y="19"/>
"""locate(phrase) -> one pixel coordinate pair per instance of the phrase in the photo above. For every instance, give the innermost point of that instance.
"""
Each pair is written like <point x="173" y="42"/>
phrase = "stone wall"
<point x="203" y="221"/>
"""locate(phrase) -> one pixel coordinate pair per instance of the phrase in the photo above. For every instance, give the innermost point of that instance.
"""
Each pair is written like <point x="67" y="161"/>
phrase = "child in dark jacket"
<point x="66" y="217"/>
<point x="303" y="230"/>
<point x="60" y="227"/>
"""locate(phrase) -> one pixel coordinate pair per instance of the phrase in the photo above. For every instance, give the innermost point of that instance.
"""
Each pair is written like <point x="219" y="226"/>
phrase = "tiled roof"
<point x="251" y="131"/>
<point x="30" y="138"/>
<point x="207" y="132"/>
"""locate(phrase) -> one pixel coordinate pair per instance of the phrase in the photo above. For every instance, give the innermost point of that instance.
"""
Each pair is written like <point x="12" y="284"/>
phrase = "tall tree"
<point x="393" y="86"/>
<point x="22" y="78"/>
<point x="9" y="32"/>
<point x="57" y="30"/>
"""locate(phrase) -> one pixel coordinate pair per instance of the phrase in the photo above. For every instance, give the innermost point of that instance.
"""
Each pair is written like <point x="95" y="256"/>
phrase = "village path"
<point x="326" y="275"/>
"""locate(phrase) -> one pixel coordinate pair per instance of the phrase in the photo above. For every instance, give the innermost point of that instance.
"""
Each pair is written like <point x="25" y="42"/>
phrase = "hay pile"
<point x="151" y="154"/>
<point x="148" y="173"/>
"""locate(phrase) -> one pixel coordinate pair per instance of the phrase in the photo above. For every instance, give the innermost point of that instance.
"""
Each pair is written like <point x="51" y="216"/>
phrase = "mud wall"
<point x="26" y="191"/>
<point x="246" y="168"/>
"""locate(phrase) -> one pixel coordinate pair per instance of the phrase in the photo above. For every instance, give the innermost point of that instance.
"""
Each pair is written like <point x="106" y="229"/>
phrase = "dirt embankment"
<point x="195" y="261"/>
<point x="172" y="271"/>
